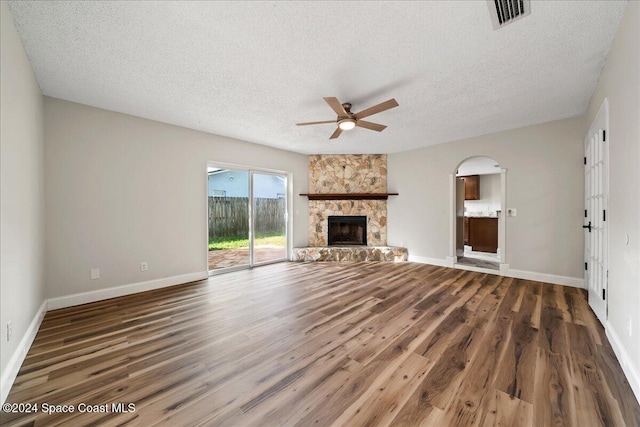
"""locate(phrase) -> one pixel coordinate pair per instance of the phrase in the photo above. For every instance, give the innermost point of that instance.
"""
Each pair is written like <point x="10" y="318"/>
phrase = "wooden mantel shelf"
<point x="349" y="196"/>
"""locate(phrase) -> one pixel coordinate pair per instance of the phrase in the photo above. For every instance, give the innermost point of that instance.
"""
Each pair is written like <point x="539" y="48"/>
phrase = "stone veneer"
<point x="350" y="253"/>
<point x="348" y="173"/>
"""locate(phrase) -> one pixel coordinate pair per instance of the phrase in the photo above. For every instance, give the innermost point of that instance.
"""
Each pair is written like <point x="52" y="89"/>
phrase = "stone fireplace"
<point x="348" y="210"/>
<point x="347" y="230"/>
<point x="344" y="174"/>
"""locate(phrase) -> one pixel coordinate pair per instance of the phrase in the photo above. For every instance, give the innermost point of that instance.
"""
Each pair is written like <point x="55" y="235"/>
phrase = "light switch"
<point x="512" y="212"/>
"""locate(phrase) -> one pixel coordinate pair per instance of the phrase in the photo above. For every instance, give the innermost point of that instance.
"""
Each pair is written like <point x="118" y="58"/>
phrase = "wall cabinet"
<point x="471" y="187"/>
<point x="483" y="234"/>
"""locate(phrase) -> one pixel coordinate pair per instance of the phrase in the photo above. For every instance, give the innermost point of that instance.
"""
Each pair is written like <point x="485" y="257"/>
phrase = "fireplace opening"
<point x="347" y="230"/>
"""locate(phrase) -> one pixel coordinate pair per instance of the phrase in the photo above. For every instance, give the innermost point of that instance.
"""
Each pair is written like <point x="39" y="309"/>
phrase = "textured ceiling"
<point x="251" y="70"/>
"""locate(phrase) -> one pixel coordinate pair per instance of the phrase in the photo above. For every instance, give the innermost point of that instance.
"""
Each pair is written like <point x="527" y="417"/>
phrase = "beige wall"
<point x="620" y="84"/>
<point x="121" y="190"/>
<point x="22" y="196"/>
<point x="544" y="183"/>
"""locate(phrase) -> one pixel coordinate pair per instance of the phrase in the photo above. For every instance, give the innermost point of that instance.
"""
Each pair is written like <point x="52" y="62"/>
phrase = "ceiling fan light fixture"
<point x="346" y="124"/>
<point x="346" y="120"/>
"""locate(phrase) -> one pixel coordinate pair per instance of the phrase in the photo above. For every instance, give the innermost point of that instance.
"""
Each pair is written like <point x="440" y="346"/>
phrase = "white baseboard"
<point x="504" y="271"/>
<point x="432" y="261"/>
<point x="629" y="369"/>
<point x="118" y="291"/>
<point x="10" y="372"/>
<point x="574" y="282"/>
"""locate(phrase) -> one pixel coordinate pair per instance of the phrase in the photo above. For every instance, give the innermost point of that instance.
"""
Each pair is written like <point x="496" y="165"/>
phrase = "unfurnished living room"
<point x="331" y="213"/>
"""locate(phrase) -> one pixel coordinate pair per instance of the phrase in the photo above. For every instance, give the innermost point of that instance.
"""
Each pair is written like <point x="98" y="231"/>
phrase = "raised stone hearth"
<point x="350" y="253"/>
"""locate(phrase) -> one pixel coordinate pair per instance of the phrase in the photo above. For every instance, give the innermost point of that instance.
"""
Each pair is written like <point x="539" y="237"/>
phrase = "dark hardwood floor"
<point x="319" y="344"/>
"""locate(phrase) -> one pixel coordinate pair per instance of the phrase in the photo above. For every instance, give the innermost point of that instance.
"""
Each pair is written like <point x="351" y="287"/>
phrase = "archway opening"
<point x="479" y="224"/>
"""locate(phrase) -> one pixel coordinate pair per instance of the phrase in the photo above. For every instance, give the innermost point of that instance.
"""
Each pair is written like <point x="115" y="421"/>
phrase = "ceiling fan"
<point x="347" y="120"/>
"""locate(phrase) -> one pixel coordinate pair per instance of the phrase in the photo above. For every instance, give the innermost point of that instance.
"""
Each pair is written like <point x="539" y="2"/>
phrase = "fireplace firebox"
<point x="347" y="230"/>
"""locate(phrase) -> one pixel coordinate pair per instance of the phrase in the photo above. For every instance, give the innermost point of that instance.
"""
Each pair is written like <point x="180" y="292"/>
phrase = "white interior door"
<point x="596" y="187"/>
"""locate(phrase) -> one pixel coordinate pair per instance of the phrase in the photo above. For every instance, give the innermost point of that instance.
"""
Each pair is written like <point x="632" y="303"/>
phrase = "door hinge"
<point x="586" y="267"/>
<point x="603" y="294"/>
<point x="585" y="213"/>
<point x="604" y="135"/>
<point x="585" y="161"/>
<point x="604" y="214"/>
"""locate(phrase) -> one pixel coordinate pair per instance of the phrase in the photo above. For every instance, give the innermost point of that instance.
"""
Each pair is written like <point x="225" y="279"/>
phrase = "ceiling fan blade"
<point x="336" y="106"/>
<point x="315" y="123"/>
<point x="369" y="125"/>
<point x="383" y="106"/>
<point x="336" y="133"/>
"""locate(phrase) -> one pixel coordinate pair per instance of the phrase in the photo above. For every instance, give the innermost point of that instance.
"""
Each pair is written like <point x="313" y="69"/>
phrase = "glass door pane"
<point x="269" y="217"/>
<point x="228" y="218"/>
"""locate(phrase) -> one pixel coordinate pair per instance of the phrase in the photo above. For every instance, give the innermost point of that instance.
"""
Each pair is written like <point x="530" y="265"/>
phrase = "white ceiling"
<point x="251" y="70"/>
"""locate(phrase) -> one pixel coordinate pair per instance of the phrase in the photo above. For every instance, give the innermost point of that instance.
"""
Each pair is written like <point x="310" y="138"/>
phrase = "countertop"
<point x="481" y="214"/>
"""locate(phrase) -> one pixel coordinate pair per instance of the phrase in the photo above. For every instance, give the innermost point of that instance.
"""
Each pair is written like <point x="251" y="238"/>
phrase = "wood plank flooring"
<point x="330" y="344"/>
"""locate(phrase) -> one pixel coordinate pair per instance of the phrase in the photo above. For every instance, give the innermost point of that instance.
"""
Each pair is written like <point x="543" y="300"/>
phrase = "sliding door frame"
<point x="288" y="224"/>
<point x="252" y="218"/>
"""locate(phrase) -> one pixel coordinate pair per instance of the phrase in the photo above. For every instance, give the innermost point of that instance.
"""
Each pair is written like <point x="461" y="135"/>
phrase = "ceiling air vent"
<point x="504" y="12"/>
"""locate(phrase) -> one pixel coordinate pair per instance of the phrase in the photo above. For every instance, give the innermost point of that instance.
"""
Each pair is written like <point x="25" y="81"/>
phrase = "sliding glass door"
<point x="247" y="217"/>
<point x="269" y="217"/>
<point x="228" y="198"/>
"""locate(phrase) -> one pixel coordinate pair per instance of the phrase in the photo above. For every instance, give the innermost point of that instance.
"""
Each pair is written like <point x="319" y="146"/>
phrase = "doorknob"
<point x="588" y="226"/>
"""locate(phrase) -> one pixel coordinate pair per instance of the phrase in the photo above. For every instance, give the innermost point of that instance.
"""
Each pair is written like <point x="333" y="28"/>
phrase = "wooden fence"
<point x="229" y="216"/>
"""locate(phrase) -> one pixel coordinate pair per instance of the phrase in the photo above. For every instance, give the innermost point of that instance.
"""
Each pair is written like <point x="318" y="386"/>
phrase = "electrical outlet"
<point x="629" y="326"/>
<point x="9" y="330"/>
<point x="144" y="266"/>
<point x="95" y="273"/>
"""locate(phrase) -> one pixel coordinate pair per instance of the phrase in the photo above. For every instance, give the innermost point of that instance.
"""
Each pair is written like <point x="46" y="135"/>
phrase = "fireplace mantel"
<point x="349" y="196"/>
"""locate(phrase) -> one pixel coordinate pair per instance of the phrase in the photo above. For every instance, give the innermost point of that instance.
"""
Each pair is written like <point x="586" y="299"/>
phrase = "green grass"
<point x="235" y="243"/>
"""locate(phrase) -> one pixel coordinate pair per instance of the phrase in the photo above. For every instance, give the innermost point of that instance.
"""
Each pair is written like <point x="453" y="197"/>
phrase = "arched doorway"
<point x="478" y="226"/>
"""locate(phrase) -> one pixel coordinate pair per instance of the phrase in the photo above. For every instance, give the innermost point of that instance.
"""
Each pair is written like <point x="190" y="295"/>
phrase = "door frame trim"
<point x="502" y="223"/>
